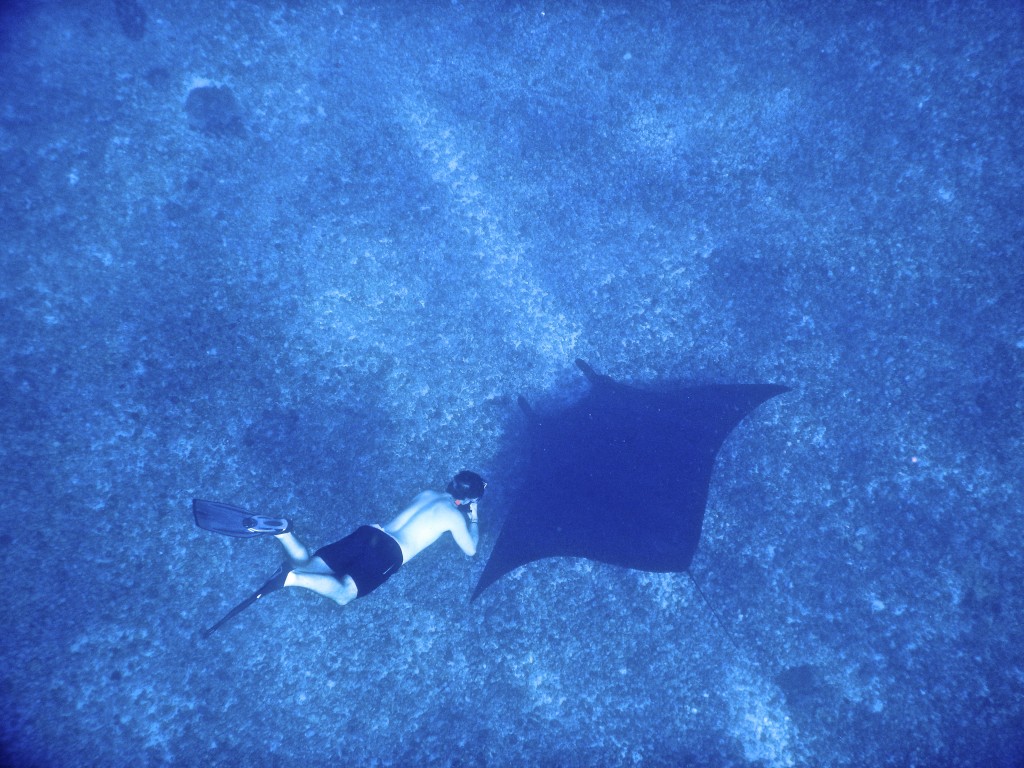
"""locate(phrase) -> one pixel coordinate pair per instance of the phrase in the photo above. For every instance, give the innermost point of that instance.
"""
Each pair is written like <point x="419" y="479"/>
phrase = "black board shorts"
<point x="368" y="555"/>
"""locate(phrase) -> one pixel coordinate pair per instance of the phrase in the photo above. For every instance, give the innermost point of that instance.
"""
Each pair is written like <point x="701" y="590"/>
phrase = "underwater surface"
<point x="304" y="257"/>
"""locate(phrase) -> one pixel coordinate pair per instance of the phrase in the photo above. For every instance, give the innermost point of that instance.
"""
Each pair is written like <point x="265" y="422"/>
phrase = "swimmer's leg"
<point x="297" y="552"/>
<point x="340" y="589"/>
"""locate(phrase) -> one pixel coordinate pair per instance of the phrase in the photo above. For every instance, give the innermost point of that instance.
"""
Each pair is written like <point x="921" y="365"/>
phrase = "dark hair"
<point x="466" y="485"/>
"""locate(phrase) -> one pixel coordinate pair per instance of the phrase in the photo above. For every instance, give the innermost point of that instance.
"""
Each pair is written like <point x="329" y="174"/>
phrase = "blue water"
<point x="303" y="257"/>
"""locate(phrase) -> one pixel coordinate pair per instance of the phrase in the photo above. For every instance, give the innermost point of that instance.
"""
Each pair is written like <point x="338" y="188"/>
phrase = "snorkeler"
<point x="362" y="561"/>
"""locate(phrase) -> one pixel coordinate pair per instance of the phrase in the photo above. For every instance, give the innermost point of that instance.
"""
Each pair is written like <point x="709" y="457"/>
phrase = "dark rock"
<point x="158" y="77"/>
<point x="214" y="111"/>
<point x="131" y="17"/>
<point x="800" y="685"/>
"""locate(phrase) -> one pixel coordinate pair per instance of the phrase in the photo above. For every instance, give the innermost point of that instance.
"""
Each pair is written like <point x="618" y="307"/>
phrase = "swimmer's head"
<point x="466" y="486"/>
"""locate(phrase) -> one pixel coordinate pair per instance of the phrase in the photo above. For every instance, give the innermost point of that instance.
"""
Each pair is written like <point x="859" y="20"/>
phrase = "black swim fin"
<point x="226" y="519"/>
<point x="273" y="584"/>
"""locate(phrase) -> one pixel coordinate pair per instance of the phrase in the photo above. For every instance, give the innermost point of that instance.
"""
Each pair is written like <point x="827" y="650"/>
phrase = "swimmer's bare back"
<point x="428" y="516"/>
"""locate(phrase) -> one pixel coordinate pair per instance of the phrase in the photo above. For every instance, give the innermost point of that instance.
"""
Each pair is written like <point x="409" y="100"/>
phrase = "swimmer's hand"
<point x="472" y="512"/>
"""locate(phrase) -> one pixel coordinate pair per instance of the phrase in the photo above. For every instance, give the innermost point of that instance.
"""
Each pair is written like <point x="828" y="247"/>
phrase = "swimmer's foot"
<point x="270" y="525"/>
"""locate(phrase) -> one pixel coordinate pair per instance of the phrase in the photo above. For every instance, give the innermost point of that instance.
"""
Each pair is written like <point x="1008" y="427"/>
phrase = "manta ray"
<point x="621" y="476"/>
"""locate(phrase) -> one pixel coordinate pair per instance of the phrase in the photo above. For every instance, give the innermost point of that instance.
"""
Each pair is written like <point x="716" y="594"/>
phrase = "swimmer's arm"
<point x="467" y="537"/>
<point x="474" y="527"/>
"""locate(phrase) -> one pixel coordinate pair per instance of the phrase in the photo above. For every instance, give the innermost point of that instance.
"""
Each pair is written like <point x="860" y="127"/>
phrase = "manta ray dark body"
<point x="621" y="476"/>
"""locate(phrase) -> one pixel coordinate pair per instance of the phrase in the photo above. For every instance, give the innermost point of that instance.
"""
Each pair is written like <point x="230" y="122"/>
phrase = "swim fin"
<point x="234" y="521"/>
<point x="272" y="584"/>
